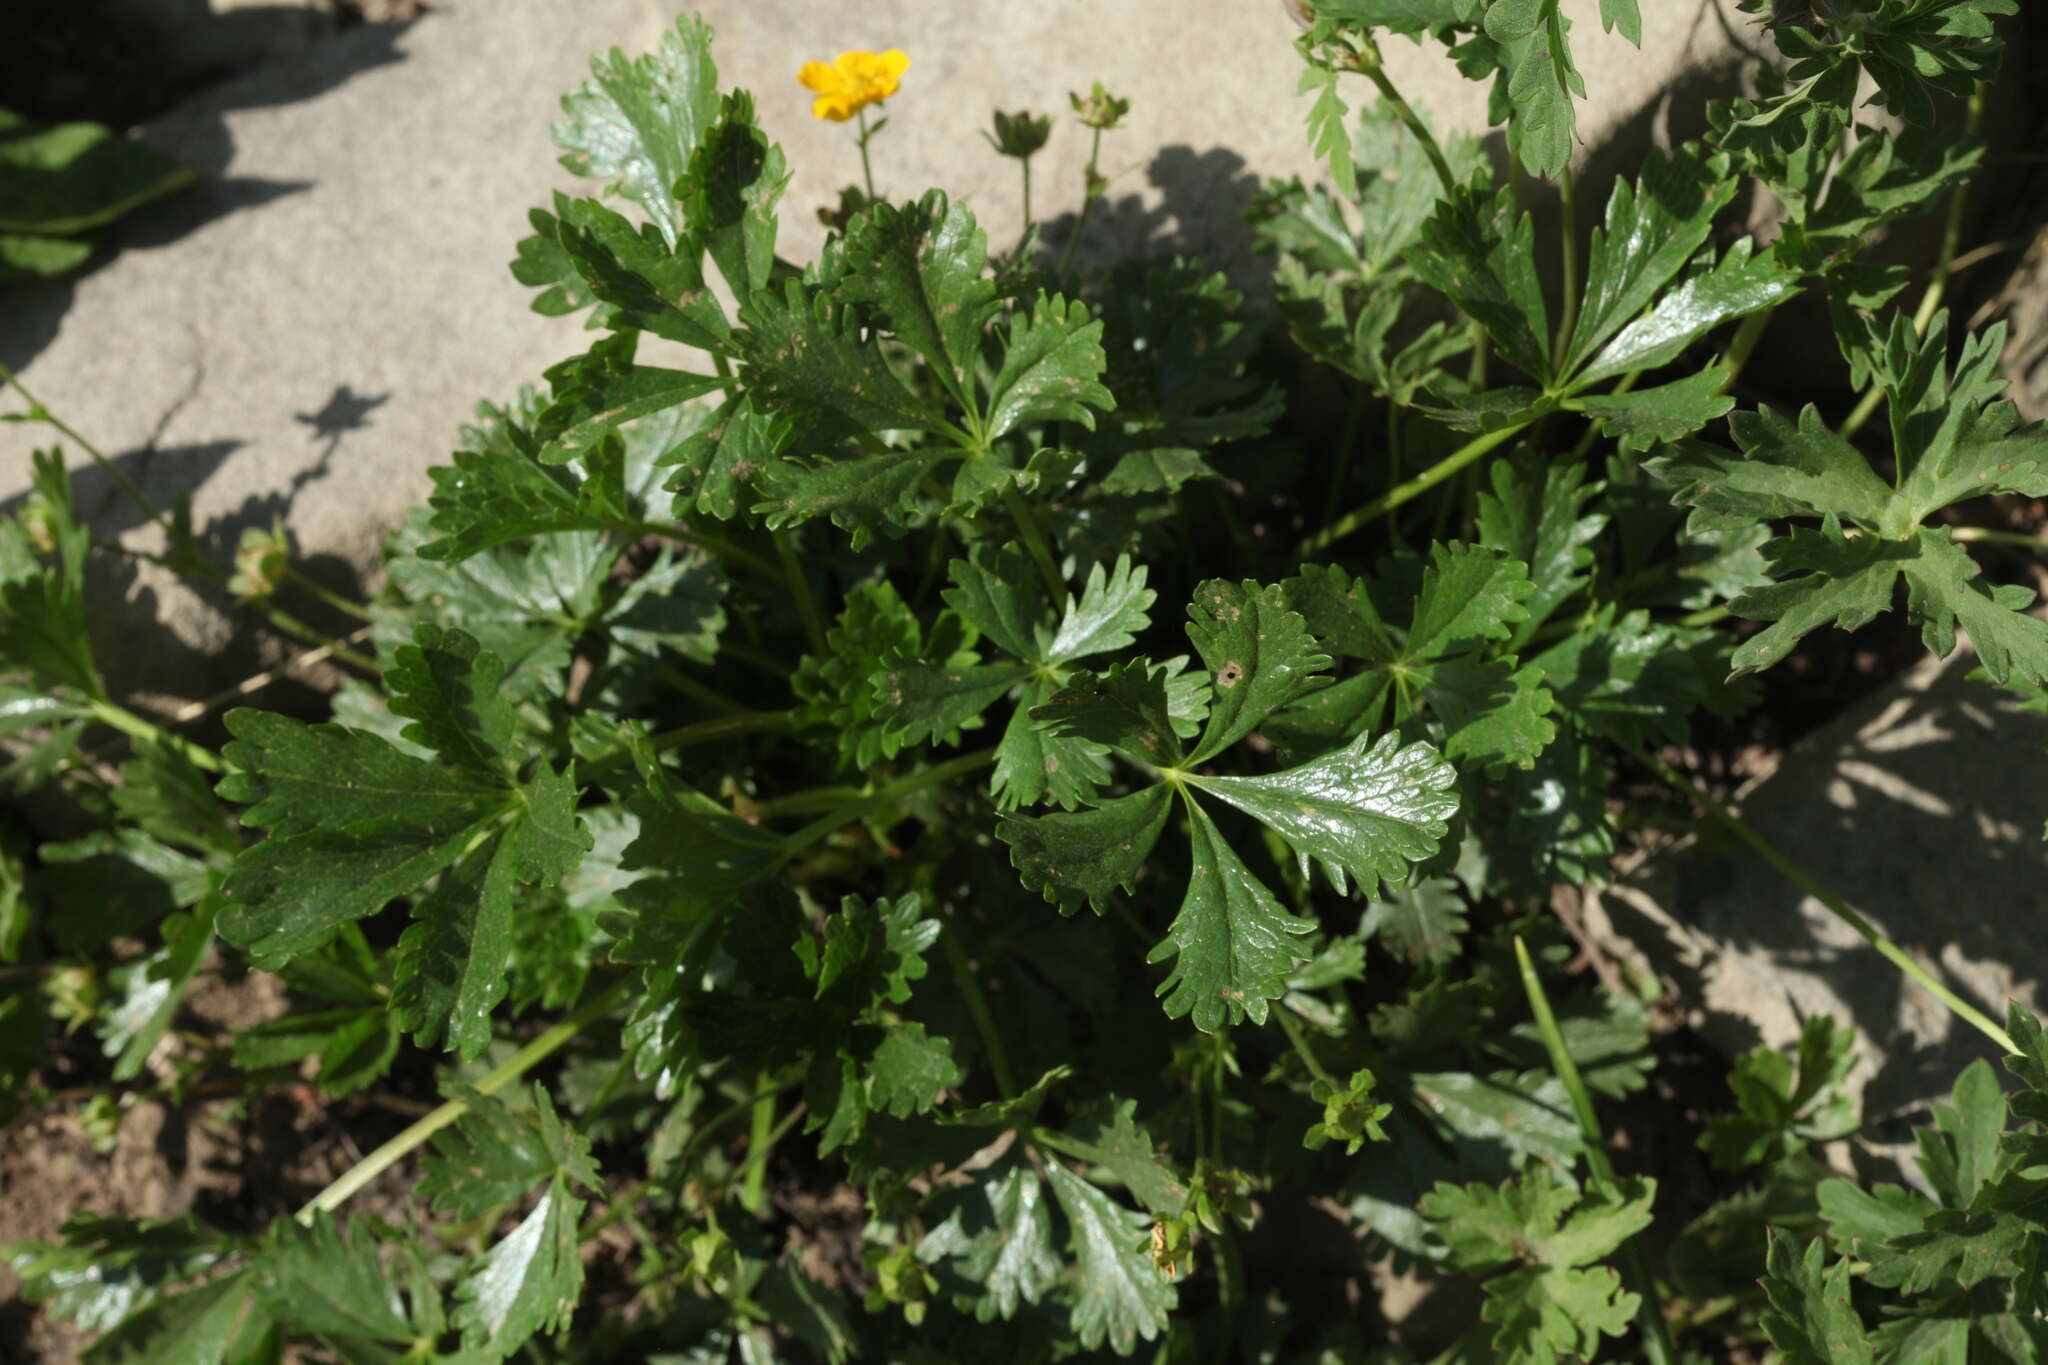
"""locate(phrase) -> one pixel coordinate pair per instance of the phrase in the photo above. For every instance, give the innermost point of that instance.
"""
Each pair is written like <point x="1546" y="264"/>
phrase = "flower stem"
<point x="867" y="172"/>
<point x="760" y="1140"/>
<point x="326" y="595"/>
<point x="521" y="1062"/>
<point x="1657" y="1346"/>
<point x="718" y="547"/>
<point x="1401" y="493"/>
<point x="1088" y="198"/>
<point x="1836" y="906"/>
<point x="1742" y="344"/>
<point x="1292" y="1029"/>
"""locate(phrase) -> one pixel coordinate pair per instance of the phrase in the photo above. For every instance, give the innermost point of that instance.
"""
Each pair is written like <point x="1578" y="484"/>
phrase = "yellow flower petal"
<point x="853" y="81"/>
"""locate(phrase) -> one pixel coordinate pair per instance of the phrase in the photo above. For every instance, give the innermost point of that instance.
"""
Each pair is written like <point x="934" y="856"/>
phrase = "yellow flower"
<point x="852" y="82"/>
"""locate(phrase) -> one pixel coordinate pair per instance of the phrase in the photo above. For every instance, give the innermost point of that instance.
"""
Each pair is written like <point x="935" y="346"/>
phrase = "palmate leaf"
<point x="356" y="824"/>
<point x="1124" y="708"/>
<point x="636" y="121"/>
<point x="1118" y="1294"/>
<point x="1551" y="1305"/>
<point x="805" y="353"/>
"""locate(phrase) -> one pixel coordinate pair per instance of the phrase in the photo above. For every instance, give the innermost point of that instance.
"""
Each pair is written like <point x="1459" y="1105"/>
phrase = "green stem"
<point x="38" y="412"/>
<point x="1657" y="1345"/>
<point x="1292" y="1028"/>
<point x="984" y="1021"/>
<point x="1401" y="493"/>
<point x="759" y="1142"/>
<point x="1743" y="344"/>
<point x="724" y="727"/>
<point x="521" y="1062"/>
<point x="1035" y="541"/>
<point x="1836" y="906"/>
<point x="128" y="723"/>
<point x="1025" y="162"/>
<point x="1986" y="535"/>
<point x="1368" y="61"/>
<point x="867" y="172"/>
<point x="1088" y="198"/>
<point x="718" y="547"/>
<point x="1937" y="286"/>
<point x="1568" y="242"/>
<point x="331" y="598"/>
<point x="1594" y="427"/>
<point x="916" y="782"/>
<point x="800" y="589"/>
<point x="299" y="630"/>
<point x="1347" y="442"/>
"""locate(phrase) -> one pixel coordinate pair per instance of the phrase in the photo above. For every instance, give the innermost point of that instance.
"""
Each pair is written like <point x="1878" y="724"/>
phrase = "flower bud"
<point x="260" y="562"/>
<point x="1100" y="109"/>
<point x="1020" y="134"/>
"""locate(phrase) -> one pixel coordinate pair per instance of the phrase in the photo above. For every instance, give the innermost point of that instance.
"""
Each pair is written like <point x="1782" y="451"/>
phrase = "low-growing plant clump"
<point x="981" y="743"/>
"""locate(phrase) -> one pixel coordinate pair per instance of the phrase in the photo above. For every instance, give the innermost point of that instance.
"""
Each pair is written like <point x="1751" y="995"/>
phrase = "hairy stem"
<point x="521" y="1062"/>
<point x="1295" y="1038"/>
<point x="1429" y="478"/>
<point x="1657" y="1345"/>
<point x="1836" y="906"/>
<point x="867" y="171"/>
<point x="1368" y="61"/>
<point x="754" y="1181"/>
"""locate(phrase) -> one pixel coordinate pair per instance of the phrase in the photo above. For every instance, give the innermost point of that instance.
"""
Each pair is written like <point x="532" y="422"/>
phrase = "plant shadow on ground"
<point x="85" y="58"/>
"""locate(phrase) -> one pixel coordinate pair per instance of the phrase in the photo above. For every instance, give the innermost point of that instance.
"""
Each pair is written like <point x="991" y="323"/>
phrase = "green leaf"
<point x="1812" y="1317"/>
<point x="1422" y="923"/>
<point x="649" y="281"/>
<point x="1369" y="810"/>
<point x="1537" y="514"/>
<point x="1540" y="82"/>
<point x="872" y="952"/>
<point x="450" y="965"/>
<point x="296" y="777"/>
<point x="1549" y="1306"/>
<point x="1000" y="594"/>
<point x="637" y="121"/>
<point x="1469" y="593"/>
<point x="729" y="194"/>
<point x="806" y="354"/>
<point x="58" y="180"/>
<point x="1119" y="1295"/>
<point x="1259" y="654"/>
<point x="1527" y="1113"/>
<point x="862" y="494"/>
<point x="450" y="690"/>
<point x="910" y="1070"/>
<point x="153" y="988"/>
<point x="923" y="702"/>
<point x="1642" y="418"/>
<point x="875" y="631"/>
<point x="1035" y="765"/>
<point x="1052" y="361"/>
<point x="1652" y="230"/>
<point x="1111" y="1140"/>
<point x="1481" y="254"/>
<point x="1125" y="709"/>
<point x="194" y="1327"/>
<point x="1329" y="133"/>
<point x="1956" y="439"/>
<point x="329" y="1283"/>
<point x="1349" y="1116"/>
<point x="1082" y="858"/>
<point x="1741" y="283"/>
<point x="530" y="1279"/>
<point x="494" y="1155"/>
<point x="922" y="266"/>
<point x="1001" y="1238"/>
<point x="106" y="1270"/>
<point x="1108" y="614"/>
<point x="42" y="607"/>
<point x="26" y="256"/>
<point x="1232" y="944"/>
<point x="486" y="498"/>
<point x="1623" y="15"/>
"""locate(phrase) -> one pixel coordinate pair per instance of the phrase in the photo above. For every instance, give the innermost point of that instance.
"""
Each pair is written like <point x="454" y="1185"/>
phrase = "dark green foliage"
<point x="754" y="708"/>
